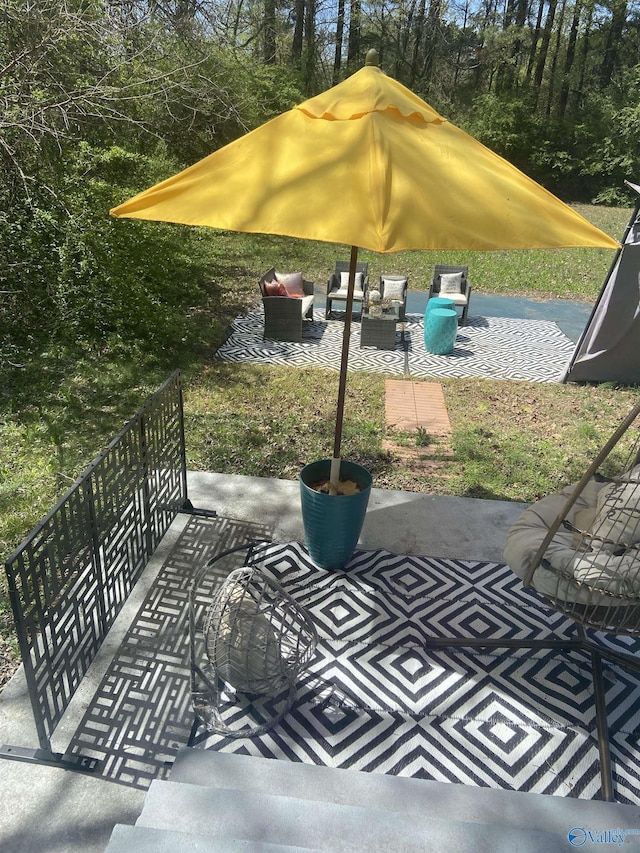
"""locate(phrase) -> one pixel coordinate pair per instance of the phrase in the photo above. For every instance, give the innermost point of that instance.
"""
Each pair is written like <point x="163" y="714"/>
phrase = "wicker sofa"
<point x="284" y="314"/>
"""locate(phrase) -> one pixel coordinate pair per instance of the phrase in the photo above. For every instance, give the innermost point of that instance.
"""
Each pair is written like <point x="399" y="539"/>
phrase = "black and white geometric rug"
<point x="489" y="347"/>
<point x="376" y="699"/>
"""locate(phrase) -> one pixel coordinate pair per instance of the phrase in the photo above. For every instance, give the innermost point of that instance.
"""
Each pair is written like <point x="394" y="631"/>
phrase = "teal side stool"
<point x="440" y="330"/>
<point x="439" y="302"/>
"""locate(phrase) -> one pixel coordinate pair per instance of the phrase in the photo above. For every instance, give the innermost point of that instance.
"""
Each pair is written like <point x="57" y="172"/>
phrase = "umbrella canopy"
<point x="367" y="164"/>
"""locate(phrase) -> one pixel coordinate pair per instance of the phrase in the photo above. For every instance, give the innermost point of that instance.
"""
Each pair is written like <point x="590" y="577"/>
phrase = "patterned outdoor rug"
<point x="490" y="347"/>
<point x="377" y="700"/>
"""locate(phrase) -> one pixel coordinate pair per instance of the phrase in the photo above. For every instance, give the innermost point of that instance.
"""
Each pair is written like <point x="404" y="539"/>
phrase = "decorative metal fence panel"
<point x="70" y="577"/>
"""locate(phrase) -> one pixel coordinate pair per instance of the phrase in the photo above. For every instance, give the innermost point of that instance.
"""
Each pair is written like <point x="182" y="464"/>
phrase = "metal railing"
<point x="70" y="577"/>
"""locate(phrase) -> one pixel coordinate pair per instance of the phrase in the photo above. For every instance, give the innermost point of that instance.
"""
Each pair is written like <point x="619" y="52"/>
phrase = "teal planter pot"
<point x="332" y="523"/>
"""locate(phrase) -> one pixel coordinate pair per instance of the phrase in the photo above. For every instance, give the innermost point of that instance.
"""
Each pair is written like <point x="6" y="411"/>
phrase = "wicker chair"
<point x="461" y="298"/>
<point x="337" y="292"/>
<point x="249" y="642"/>
<point x="395" y="283"/>
<point x="284" y="315"/>
<point x="580" y="550"/>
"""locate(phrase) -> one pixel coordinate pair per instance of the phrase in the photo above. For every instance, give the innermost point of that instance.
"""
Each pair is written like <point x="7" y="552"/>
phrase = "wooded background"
<point x="102" y="98"/>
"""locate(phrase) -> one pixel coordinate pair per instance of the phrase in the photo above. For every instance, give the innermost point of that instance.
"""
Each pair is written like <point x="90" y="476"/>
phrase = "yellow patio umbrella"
<point x="367" y="164"/>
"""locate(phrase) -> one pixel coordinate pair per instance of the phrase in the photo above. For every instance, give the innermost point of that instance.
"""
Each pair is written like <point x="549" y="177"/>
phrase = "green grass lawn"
<point x="511" y="440"/>
<point x="575" y="274"/>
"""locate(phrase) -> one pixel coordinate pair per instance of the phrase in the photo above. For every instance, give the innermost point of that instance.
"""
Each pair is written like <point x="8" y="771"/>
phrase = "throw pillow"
<point x="271" y="288"/>
<point x="451" y="282"/>
<point x="344" y="281"/>
<point x="394" y="288"/>
<point x="292" y="282"/>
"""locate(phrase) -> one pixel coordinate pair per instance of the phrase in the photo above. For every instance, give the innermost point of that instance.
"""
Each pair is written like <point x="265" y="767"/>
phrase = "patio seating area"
<point x="487" y="346"/>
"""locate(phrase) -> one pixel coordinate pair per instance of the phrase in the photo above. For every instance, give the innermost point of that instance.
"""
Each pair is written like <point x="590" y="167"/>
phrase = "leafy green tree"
<point x="96" y="109"/>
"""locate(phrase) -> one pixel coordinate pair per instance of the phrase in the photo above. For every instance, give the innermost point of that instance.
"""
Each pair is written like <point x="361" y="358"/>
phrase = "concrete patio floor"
<point x="51" y="810"/>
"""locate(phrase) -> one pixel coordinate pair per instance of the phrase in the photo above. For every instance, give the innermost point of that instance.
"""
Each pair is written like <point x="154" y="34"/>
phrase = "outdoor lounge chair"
<point x="456" y="286"/>
<point x="337" y="287"/>
<point x="580" y="550"/>
<point x="284" y="314"/>
<point x="395" y="288"/>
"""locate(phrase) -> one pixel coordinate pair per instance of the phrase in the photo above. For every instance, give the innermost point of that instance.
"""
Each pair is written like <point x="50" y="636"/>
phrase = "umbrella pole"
<point x="334" y="476"/>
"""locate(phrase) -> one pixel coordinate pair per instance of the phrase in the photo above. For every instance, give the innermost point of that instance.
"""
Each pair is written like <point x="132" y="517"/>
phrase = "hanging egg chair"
<point x="250" y="641"/>
<point x="580" y="549"/>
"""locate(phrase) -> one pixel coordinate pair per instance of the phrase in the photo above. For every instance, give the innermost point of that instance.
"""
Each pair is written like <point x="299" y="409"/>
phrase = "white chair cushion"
<point x="342" y="294"/>
<point x="617" y="575"/>
<point x="456" y="298"/>
<point x="527" y="532"/>
<point x="618" y="516"/>
<point x="306" y="302"/>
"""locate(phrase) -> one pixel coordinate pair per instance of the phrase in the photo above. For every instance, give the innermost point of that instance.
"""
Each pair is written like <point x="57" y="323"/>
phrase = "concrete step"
<point x="142" y="839"/>
<point x="379" y="792"/>
<point x="219" y="813"/>
<point x="225" y="802"/>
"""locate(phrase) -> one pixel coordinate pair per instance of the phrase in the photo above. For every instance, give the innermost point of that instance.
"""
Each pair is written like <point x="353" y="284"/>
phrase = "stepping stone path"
<point x="411" y="407"/>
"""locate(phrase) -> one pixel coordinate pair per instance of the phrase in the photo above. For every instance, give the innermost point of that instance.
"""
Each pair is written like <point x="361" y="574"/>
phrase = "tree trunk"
<point x="569" y="59"/>
<point x="310" y="44"/>
<point x="269" y="32"/>
<point x="236" y="21"/>
<point x="404" y="41"/>
<point x="337" y="58"/>
<point x="554" y="58"/>
<point x="585" y="46"/>
<point x="183" y="16"/>
<point x="298" y="30"/>
<point x="355" y="26"/>
<point x="459" y="54"/>
<point x="508" y="14"/>
<point x="534" y="41"/>
<point x="544" y="43"/>
<point x="486" y="23"/>
<point x="432" y="35"/>
<point x="418" y="40"/>
<point x="614" y="37"/>
<point x="507" y="77"/>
